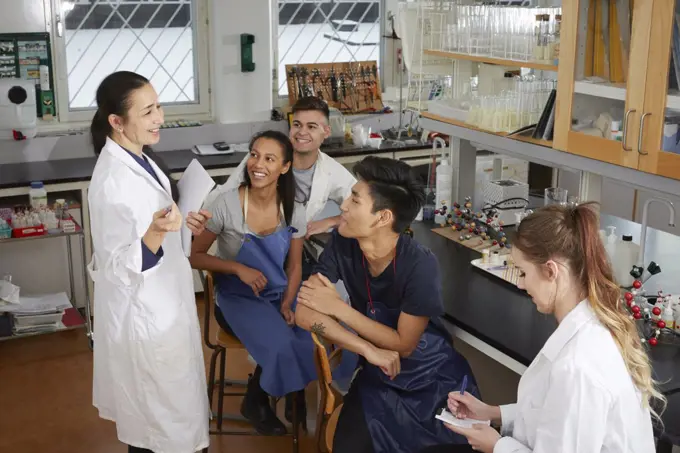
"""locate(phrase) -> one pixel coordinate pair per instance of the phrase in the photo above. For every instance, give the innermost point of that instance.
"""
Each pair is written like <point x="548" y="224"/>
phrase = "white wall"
<point x="22" y="16"/>
<point x="241" y="97"/>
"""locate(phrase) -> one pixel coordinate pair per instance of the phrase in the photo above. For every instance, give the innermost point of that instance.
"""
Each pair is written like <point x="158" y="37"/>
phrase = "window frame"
<point x="69" y="119"/>
<point x="281" y="101"/>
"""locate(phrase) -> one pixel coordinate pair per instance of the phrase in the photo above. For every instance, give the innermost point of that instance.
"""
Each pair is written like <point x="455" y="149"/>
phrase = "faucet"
<point x="643" y="231"/>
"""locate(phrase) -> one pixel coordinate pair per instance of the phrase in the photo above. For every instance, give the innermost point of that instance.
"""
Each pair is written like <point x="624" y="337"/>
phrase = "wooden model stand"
<point x="351" y="87"/>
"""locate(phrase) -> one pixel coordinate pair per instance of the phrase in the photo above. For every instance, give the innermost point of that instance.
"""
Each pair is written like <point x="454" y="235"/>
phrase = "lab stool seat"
<point x="225" y="341"/>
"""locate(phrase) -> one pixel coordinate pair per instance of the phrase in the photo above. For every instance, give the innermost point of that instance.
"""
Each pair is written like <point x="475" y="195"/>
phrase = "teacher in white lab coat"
<point x="149" y="373"/>
<point x="590" y="388"/>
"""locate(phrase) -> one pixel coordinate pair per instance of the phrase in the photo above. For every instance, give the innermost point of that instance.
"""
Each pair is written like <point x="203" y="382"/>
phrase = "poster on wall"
<point x="28" y="56"/>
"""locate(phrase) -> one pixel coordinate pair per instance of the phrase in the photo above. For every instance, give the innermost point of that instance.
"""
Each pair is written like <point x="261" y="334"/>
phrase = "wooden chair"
<point x="330" y="398"/>
<point x="227" y="342"/>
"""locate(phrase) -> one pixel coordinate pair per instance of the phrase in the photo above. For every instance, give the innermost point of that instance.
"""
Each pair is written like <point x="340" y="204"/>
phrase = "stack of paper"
<point x="38" y="314"/>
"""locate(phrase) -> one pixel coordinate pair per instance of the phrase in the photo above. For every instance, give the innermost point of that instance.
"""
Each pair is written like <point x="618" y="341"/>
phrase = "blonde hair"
<point x="572" y="233"/>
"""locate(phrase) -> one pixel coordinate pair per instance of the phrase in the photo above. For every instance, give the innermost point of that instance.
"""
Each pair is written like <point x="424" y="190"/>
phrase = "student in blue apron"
<point x="408" y="364"/>
<point x="258" y="266"/>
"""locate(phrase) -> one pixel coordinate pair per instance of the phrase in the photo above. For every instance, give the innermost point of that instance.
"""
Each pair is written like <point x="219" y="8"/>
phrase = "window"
<point x="326" y="31"/>
<point x="164" y="40"/>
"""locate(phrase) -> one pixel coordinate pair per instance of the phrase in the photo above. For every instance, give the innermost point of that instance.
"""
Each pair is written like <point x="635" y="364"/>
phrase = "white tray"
<point x="508" y="273"/>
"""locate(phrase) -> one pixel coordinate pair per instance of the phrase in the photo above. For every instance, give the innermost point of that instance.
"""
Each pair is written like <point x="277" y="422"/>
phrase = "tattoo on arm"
<point x="318" y="328"/>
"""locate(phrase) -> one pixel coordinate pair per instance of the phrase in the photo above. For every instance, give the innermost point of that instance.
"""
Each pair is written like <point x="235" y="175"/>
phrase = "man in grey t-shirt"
<point x="319" y="177"/>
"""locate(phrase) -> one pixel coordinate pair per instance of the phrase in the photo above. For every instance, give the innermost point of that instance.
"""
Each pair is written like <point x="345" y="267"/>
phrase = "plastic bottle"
<point x="667" y="315"/>
<point x="444" y="183"/>
<point x="610" y="244"/>
<point x="615" y="131"/>
<point x="626" y="256"/>
<point x="37" y="195"/>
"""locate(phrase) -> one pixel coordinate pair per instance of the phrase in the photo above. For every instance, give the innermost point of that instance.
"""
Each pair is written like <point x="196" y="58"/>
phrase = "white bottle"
<point x="37" y="195"/>
<point x="626" y="256"/>
<point x="610" y="246"/>
<point x="443" y="194"/>
<point x="667" y="315"/>
<point x="615" y="131"/>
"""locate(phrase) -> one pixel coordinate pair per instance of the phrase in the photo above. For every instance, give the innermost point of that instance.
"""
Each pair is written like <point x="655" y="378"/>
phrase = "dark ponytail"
<point x="286" y="184"/>
<point x="99" y="130"/>
<point x="114" y="98"/>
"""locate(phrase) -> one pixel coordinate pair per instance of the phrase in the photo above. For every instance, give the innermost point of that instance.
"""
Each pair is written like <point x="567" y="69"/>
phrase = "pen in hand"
<point x="463" y="387"/>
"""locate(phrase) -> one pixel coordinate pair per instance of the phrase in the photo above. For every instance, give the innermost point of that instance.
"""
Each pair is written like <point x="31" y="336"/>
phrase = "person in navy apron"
<point x="408" y="364"/>
<point x="258" y="267"/>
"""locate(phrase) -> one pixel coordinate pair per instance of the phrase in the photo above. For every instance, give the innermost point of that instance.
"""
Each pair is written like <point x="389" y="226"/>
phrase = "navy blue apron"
<point x="400" y="413"/>
<point x="285" y="353"/>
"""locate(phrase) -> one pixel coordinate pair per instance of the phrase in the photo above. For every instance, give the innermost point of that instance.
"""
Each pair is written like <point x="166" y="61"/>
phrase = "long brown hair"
<point x="572" y="235"/>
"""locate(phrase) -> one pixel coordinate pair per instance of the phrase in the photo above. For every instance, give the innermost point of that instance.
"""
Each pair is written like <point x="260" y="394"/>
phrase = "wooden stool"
<point x="228" y="342"/>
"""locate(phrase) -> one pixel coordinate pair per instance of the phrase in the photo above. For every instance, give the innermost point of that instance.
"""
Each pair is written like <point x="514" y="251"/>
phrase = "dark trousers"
<point x="351" y="433"/>
<point x="132" y="449"/>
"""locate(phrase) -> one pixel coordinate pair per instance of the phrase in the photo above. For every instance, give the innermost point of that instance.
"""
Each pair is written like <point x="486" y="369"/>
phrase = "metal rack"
<point x="69" y="248"/>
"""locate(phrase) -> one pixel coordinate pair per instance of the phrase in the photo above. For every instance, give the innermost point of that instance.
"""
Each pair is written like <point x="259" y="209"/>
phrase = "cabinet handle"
<point x="642" y="126"/>
<point x="625" y="129"/>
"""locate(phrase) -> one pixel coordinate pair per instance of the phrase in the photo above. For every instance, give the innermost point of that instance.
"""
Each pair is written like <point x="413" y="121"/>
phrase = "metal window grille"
<point x="154" y="38"/>
<point x="326" y="31"/>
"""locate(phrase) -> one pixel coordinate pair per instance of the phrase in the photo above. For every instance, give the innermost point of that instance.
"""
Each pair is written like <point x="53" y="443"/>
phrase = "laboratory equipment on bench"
<point x="337" y="124"/>
<point x="18" y="110"/>
<point x="508" y="197"/>
<point x="444" y="177"/>
<point x="638" y="270"/>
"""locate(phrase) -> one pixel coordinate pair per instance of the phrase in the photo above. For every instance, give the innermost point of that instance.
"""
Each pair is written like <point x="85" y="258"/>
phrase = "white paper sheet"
<point x="46" y="303"/>
<point x="451" y="419"/>
<point x="194" y="185"/>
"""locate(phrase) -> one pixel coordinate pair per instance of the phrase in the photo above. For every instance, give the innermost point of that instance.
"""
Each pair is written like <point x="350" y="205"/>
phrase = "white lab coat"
<point x="331" y="181"/>
<point x="577" y="396"/>
<point x="149" y="373"/>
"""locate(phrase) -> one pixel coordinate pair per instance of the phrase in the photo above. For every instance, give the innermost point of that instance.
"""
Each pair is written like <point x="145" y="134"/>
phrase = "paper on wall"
<point x="194" y="185"/>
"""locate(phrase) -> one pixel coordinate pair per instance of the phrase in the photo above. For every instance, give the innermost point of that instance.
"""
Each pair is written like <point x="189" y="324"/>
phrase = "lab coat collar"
<point x="570" y="325"/>
<point x="319" y="180"/>
<point x="121" y="154"/>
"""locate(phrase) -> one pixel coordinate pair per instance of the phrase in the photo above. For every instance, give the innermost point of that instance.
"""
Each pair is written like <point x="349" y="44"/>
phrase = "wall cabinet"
<point x="626" y="76"/>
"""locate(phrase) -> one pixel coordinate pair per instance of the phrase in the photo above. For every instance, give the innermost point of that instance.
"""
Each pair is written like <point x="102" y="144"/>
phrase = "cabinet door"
<point x="603" y="51"/>
<point x="659" y="150"/>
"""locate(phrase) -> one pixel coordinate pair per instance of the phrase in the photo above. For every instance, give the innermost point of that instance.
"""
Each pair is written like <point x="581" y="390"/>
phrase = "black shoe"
<point x="301" y="409"/>
<point x="255" y="407"/>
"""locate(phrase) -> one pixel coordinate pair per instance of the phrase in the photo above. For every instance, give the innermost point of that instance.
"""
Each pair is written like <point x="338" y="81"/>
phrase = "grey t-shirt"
<point x="303" y="186"/>
<point x="227" y="223"/>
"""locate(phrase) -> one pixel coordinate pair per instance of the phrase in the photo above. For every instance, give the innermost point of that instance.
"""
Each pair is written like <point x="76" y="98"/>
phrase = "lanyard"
<point x="368" y="280"/>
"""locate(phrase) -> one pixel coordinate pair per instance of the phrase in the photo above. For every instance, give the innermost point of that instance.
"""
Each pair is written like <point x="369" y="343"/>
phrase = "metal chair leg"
<point x="296" y="423"/>
<point x="211" y="378"/>
<point x="220" y="398"/>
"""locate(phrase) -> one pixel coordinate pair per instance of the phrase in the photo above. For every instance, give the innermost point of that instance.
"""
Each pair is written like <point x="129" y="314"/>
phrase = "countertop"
<point x="74" y="170"/>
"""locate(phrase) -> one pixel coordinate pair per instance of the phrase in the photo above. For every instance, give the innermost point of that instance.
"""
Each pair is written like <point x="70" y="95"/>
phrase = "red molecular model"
<point x="649" y="323"/>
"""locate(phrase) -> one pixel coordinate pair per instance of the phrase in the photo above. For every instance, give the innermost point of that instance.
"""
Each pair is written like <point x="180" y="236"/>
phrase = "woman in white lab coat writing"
<point x="149" y="373"/>
<point x="590" y="388"/>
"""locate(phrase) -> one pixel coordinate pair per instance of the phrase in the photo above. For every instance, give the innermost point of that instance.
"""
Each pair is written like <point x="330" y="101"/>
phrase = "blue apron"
<point x="400" y="413"/>
<point x="285" y="353"/>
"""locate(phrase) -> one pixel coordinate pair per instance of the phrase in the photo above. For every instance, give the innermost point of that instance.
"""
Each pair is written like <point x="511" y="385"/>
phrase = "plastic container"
<point x="615" y="131"/>
<point x="625" y="258"/>
<point x="610" y="240"/>
<point x="38" y="195"/>
<point x="668" y="316"/>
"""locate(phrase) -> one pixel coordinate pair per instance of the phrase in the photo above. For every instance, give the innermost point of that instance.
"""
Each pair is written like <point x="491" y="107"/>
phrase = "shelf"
<point x="444" y="119"/>
<point x="519" y="138"/>
<point x="78" y="232"/>
<point x="617" y="91"/>
<point x="491" y="60"/>
<point x="74" y="320"/>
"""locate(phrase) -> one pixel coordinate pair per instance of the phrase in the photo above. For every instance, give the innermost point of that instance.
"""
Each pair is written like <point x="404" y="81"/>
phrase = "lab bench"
<point x="500" y="320"/>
